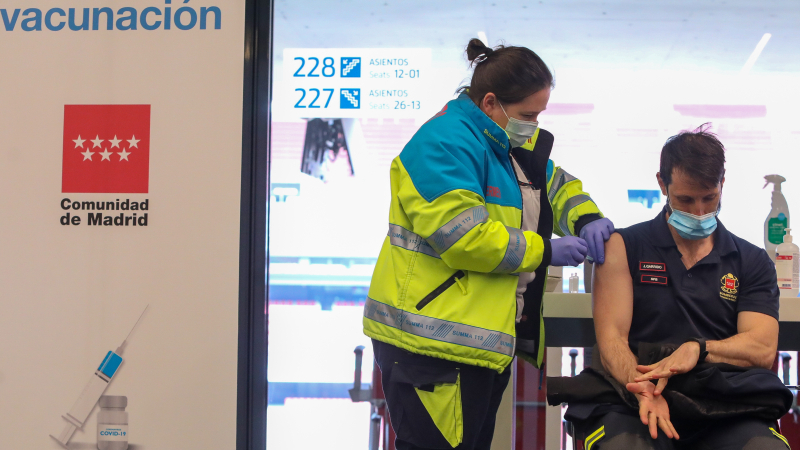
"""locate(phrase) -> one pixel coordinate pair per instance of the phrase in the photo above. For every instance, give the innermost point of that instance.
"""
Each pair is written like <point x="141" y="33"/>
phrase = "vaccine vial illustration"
<point x="112" y="423"/>
<point x="91" y="395"/>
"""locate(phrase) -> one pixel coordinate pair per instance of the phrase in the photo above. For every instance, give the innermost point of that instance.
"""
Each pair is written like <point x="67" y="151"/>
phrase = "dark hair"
<point x="511" y="73"/>
<point x="697" y="153"/>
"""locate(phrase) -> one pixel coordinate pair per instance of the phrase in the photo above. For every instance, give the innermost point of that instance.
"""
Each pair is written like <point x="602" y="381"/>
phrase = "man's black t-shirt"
<point x="672" y="304"/>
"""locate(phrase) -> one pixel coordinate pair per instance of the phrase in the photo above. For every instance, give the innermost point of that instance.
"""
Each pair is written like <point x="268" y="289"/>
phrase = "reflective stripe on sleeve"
<point x="572" y="202"/>
<point x="514" y="252"/>
<point x="439" y="330"/>
<point x="455" y="229"/>
<point x="559" y="180"/>
<point x="400" y="237"/>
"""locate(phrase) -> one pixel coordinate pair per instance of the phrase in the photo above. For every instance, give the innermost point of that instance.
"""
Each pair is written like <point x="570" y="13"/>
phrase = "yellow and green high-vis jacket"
<point x="445" y="281"/>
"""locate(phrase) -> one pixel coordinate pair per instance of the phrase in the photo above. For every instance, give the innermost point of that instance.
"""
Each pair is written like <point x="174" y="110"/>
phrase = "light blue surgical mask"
<point x="690" y="226"/>
<point x="519" y="131"/>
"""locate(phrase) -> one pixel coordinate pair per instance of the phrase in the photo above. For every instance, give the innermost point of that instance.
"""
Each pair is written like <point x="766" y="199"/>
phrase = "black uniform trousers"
<point x="407" y="376"/>
<point x="622" y="431"/>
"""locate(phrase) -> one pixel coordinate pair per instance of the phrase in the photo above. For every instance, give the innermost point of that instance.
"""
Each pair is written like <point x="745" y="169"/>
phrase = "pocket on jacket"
<point x="438" y="392"/>
<point x="453" y="279"/>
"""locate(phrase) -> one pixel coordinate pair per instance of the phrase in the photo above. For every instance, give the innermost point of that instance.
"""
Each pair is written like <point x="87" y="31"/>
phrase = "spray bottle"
<point x="778" y="219"/>
<point x="787" y="265"/>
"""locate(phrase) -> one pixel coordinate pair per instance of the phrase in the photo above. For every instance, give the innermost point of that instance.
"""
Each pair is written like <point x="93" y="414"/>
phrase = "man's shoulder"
<point x="744" y="245"/>
<point x="639" y="228"/>
<point x="749" y="252"/>
<point x="639" y="231"/>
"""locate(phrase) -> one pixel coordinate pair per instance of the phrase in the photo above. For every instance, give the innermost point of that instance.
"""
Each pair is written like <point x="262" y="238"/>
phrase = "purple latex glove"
<point x="596" y="234"/>
<point x="568" y="251"/>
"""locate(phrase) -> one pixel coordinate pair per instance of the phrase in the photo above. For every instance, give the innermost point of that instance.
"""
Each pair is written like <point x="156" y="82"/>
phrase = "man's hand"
<point x="680" y="361"/>
<point x="653" y="409"/>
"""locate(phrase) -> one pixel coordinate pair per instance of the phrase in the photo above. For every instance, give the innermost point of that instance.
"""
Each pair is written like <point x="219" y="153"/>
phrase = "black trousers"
<point x="621" y="431"/>
<point x="421" y="396"/>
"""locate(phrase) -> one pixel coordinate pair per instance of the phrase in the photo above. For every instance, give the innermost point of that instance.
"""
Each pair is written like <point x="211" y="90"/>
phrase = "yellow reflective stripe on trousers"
<point x="780" y="436"/>
<point x="439" y="330"/>
<point x="514" y="252"/>
<point x="572" y="202"/>
<point x="400" y="237"/>
<point x="560" y="178"/>
<point x="444" y="238"/>
<point x="594" y="437"/>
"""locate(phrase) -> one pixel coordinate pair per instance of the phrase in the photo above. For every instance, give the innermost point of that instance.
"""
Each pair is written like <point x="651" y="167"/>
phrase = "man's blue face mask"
<point x="690" y="226"/>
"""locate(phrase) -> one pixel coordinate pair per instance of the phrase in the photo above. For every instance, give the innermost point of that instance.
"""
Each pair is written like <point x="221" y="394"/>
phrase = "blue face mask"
<point x="690" y="226"/>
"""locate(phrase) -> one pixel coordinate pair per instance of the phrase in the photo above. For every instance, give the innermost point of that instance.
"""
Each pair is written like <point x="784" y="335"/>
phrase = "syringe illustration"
<point x="90" y="395"/>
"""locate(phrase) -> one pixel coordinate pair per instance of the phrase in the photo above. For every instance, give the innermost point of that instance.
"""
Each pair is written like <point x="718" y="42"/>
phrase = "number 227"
<point x="314" y="101"/>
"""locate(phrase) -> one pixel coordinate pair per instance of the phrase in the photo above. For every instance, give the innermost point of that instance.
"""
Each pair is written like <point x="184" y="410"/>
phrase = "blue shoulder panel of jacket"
<point x="442" y="157"/>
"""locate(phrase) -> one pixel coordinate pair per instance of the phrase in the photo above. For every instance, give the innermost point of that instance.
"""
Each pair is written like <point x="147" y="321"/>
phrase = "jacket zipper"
<point x="439" y="290"/>
<point x="521" y="219"/>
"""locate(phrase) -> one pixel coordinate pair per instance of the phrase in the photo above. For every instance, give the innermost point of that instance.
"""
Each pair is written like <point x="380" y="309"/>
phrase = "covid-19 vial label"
<point x="112" y="433"/>
<point x="112" y="423"/>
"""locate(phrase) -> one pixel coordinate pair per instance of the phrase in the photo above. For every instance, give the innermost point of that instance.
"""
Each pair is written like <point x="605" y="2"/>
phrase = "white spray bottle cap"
<point x="776" y="180"/>
<point x="787" y="238"/>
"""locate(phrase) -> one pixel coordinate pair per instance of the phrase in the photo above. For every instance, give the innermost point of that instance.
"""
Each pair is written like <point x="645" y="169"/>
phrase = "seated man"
<point x="686" y="283"/>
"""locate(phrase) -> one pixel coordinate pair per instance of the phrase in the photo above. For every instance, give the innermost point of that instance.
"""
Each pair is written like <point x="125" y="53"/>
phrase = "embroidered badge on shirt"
<point x="654" y="279"/>
<point x="652" y="266"/>
<point x="730" y="287"/>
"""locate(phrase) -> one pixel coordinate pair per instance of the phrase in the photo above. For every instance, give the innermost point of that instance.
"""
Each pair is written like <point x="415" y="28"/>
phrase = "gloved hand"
<point x="568" y="251"/>
<point x="596" y="234"/>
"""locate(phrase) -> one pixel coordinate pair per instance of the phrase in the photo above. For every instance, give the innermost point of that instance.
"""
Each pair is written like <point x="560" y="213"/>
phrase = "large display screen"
<point x="626" y="79"/>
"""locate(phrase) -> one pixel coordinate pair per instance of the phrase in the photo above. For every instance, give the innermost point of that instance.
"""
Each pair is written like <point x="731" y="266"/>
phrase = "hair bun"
<point x="475" y="49"/>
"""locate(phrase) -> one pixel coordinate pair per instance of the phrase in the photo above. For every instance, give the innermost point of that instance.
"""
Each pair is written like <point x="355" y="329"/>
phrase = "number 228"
<point x="327" y="67"/>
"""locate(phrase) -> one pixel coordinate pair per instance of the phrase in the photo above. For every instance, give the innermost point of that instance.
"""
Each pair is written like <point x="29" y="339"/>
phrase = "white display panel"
<point x="154" y="115"/>
<point x="355" y="82"/>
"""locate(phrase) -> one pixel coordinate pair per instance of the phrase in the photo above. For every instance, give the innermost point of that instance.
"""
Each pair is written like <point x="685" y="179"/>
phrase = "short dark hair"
<point x="511" y="73"/>
<point x="697" y="153"/>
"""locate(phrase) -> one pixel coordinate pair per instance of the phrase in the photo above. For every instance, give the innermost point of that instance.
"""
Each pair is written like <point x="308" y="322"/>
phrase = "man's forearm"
<point x="618" y="360"/>
<point x="740" y="350"/>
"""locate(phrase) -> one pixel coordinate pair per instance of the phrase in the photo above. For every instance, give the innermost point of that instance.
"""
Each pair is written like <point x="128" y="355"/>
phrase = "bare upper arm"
<point x="612" y="293"/>
<point x="761" y="327"/>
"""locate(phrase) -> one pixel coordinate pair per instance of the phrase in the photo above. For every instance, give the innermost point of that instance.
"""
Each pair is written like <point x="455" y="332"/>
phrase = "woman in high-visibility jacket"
<point x="457" y="289"/>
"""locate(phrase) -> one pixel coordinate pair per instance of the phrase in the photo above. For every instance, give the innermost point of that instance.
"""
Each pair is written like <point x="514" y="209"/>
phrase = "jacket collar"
<point x="662" y="237"/>
<point x="530" y="144"/>
<point x="494" y="135"/>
